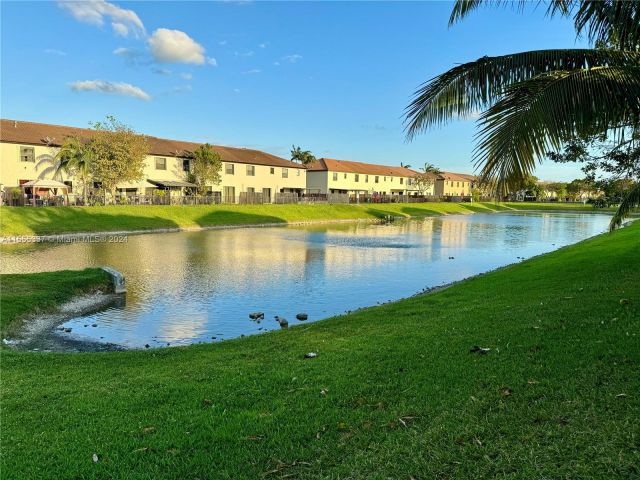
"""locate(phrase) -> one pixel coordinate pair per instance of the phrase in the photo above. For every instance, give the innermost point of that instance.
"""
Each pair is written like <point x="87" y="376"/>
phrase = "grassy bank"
<point x="22" y="294"/>
<point x="393" y="393"/>
<point x="45" y="221"/>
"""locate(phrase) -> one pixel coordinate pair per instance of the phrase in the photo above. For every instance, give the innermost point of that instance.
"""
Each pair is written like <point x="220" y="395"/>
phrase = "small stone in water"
<point x="94" y="324"/>
<point x="67" y="330"/>
<point x="302" y="316"/>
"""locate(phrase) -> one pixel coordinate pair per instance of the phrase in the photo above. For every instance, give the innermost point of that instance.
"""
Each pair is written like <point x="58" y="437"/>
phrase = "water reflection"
<point x="189" y="287"/>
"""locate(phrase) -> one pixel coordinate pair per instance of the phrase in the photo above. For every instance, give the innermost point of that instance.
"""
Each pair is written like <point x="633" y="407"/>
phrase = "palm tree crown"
<point x="303" y="156"/>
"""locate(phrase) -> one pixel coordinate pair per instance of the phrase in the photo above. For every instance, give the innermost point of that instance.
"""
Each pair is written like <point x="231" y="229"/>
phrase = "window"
<point x="285" y="173"/>
<point x="251" y="190"/>
<point x="366" y="179"/>
<point x="357" y="177"/>
<point x="161" y="163"/>
<point x="384" y="179"/>
<point x="272" y="170"/>
<point x="335" y="176"/>
<point x="401" y="180"/>
<point x="457" y="184"/>
<point x="229" y="194"/>
<point x="185" y="164"/>
<point x="27" y="154"/>
<point x="228" y="168"/>
<point x="251" y="171"/>
<point x="377" y="179"/>
<point x="345" y="176"/>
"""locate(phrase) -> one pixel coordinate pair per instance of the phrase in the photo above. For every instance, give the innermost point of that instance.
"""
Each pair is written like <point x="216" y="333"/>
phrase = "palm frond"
<point x="539" y="114"/>
<point x="474" y="86"/>
<point x="616" y="22"/>
<point x="630" y="202"/>
<point x="462" y="8"/>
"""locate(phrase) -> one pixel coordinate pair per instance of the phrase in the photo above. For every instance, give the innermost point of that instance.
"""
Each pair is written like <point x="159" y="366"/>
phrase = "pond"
<point x="190" y="287"/>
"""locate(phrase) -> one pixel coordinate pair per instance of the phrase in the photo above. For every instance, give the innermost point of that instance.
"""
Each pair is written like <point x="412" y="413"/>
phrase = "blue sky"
<point x="332" y="77"/>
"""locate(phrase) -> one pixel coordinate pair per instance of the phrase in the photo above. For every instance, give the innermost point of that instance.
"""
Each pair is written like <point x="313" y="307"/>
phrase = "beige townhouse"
<point x="28" y="149"/>
<point x="327" y="175"/>
<point x="450" y="184"/>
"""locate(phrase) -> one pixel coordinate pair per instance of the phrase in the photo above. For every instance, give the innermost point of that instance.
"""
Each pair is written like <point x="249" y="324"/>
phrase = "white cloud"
<point x="125" y="52"/>
<point x="175" y="46"/>
<point x="94" y="12"/>
<point x="253" y="71"/>
<point x="186" y="76"/>
<point x="161" y="71"/>
<point x="237" y="90"/>
<point x="263" y="45"/>
<point x="181" y="89"/>
<point x="276" y="64"/>
<point x="292" y="58"/>
<point x="53" y="51"/>
<point x="115" y="88"/>
<point x="248" y="53"/>
<point x="222" y="42"/>
<point x="212" y="61"/>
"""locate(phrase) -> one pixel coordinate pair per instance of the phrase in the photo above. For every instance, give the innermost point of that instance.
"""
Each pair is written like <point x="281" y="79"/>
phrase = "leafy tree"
<point x="74" y="158"/>
<point x="578" y="187"/>
<point x="425" y="179"/>
<point x="117" y="154"/>
<point x="533" y="102"/>
<point x="206" y="167"/>
<point x="303" y="156"/>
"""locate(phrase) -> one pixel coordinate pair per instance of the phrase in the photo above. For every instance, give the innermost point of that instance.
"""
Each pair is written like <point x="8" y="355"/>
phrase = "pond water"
<point x="189" y="287"/>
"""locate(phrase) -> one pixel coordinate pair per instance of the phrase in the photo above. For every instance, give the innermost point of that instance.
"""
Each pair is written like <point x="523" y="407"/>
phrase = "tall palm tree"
<point x="431" y="168"/>
<point x="533" y="102"/>
<point x="74" y="157"/>
<point x="303" y="156"/>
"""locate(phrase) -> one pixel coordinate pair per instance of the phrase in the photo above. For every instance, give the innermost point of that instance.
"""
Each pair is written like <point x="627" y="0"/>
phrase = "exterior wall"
<point x="12" y="170"/>
<point x="346" y="183"/>
<point x="453" y="188"/>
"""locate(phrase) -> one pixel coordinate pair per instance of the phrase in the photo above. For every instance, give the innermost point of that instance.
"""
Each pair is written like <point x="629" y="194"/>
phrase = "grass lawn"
<point x="42" y="291"/>
<point x="393" y="393"/>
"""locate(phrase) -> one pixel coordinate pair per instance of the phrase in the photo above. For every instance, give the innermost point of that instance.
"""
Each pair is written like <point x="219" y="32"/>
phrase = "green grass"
<point x="44" y="221"/>
<point x="42" y="291"/>
<point x="394" y="391"/>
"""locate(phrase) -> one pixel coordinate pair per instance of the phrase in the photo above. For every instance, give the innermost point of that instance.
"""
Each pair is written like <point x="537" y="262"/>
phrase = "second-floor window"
<point x="185" y="164"/>
<point x="366" y="179"/>
<point x="335" y="176"/>
<point x="161" y="163"/>
<point x="401" y="180"/>
<point x="377" y="179"/>
<point x="272" y="170"/>
<point x="251" y="170"/>
<point x="285" y="173"/>
<point x="228" y="168"/>
<point x="357" y="179"/>
<point x="27" y="154"/>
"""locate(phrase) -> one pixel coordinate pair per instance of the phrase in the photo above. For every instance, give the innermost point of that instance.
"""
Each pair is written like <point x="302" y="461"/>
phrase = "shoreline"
<point x="71" y="236"/>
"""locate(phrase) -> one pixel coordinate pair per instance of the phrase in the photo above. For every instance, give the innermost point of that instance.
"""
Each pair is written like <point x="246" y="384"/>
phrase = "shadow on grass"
<point x="57" y="220"/>
<point x="232" y="217"/>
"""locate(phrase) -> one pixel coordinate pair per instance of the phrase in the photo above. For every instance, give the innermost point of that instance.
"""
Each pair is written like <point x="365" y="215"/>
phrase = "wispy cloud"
<point x="263" y="45"/>
<point x="97" y="12"/>
<point x="161" y="71"/>
<point x="186" y="75"/>
<point x="248" y="53"/>
<point x="113" y="88"/>
<point x="237" y="90"/>
<point x="53" y="51"/>
<point x="277" y="64"/>
<point x="294" y="58"/>
<point x="253" y="71"/>
<point x="222" y="42"/>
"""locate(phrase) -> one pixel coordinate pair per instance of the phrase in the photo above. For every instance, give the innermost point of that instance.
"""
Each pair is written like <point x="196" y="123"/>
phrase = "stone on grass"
<point x="302" y="316"/>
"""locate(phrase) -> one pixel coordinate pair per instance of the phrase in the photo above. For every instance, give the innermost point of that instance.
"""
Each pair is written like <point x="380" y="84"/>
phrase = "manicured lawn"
<point x="43" y="221"/>
<point x="393" y="393"/>
<point x="53" y="220"/>
<point x="42" y="291"/>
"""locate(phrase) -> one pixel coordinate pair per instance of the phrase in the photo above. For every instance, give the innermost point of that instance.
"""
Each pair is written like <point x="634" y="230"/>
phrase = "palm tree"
<point x="430" y="168"/>
<point x="535" y="101"/>
<point x="404" y="166"/>
<point x="303" y="156"/>
<point x="74" y="158"/>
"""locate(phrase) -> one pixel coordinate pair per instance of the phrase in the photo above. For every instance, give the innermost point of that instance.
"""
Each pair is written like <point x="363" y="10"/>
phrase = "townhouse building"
<point x="28" y="150"/>
<point x="327" y="175"/>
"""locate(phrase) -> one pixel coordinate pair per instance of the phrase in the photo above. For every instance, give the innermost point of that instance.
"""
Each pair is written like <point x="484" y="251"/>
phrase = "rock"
<point x="8" y="342"/>
<point x="480" y="350"/>
<point x="284" y="323"/>
<point x="302" y="316"/>
<point x="310" y="355"/>
<point x="451" y="258"/>
<point x="61" y="328"/>
<point x="146" y="345"/>
<point x="67" y="330"/>
<point x="256" y="315"/>
<point x="94" y="457"/>
<point x="94" y="324"/>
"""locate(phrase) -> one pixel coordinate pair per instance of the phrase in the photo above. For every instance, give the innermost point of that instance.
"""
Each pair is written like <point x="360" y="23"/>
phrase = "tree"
<point x="578" y="188"/>
<point x="533" y="102"/>
<point x="303" y="156"/>
<point x="117" y="154"/>
<point x="206" y="167"/>
<point x="425" y="179"/>
<point x="74" y="158"/>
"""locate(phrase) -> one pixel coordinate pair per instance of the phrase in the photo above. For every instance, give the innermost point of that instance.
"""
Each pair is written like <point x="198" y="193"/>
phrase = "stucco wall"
<point x="325" y="182"/>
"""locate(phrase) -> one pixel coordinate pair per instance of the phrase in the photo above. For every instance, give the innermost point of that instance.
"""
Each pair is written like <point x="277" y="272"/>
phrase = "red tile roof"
<point x="347" y="166"/>
<point x="31" y="133"/>
<point x="461" y="177"/>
